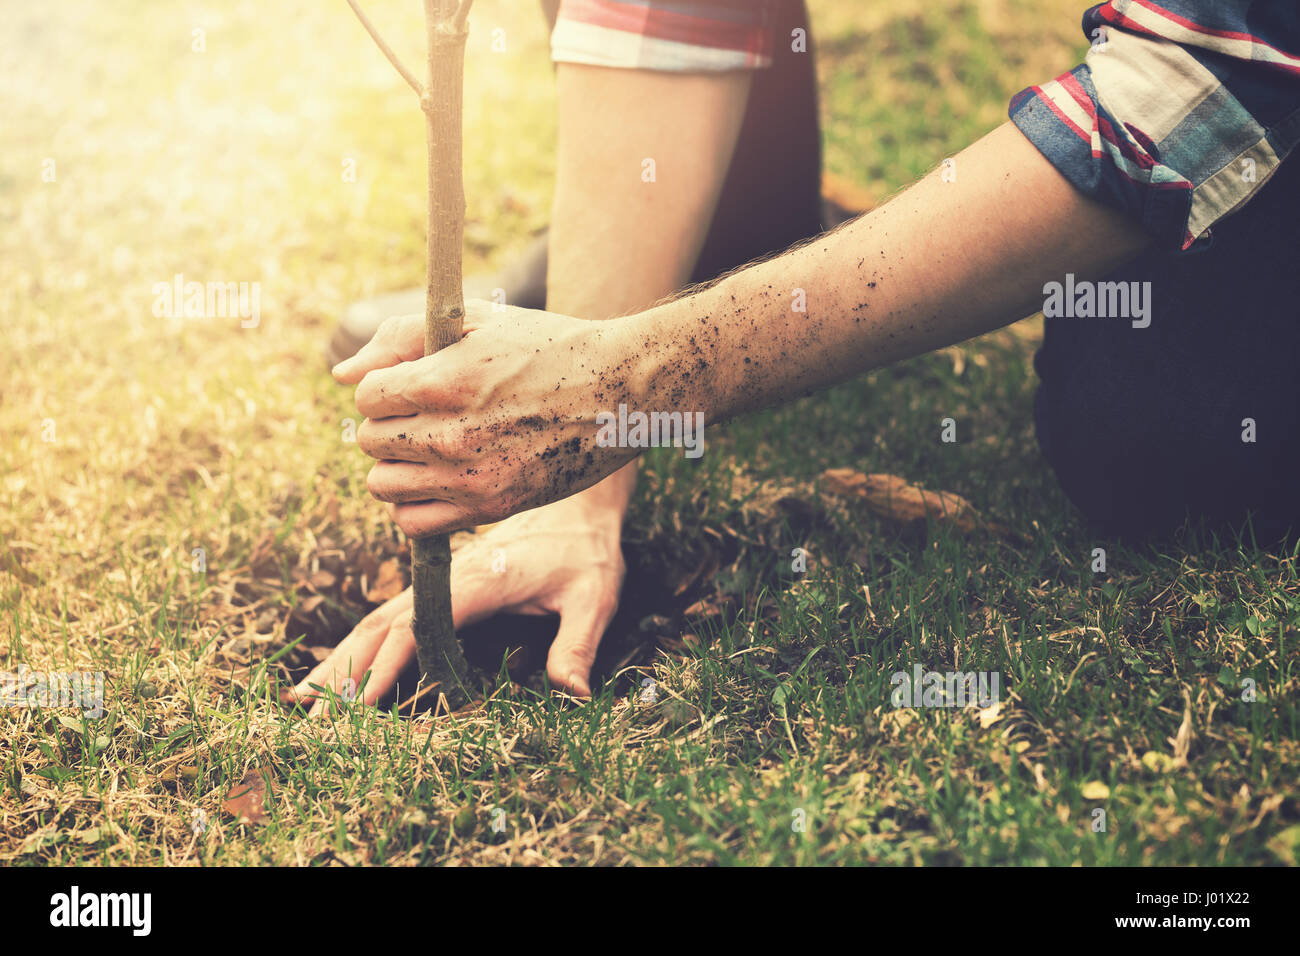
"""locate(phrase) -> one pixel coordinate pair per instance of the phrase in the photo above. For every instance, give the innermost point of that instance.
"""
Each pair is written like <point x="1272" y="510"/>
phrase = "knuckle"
<point x="366" y="435"/>
<point x="411" y="388"/>
<point x="380" y="485"/>
<point x="455" y="441"/>
<point x="374" y="483"/>
<point x="451" y="443"/>
<point x="408" y="519"/>
<point x="390" y="328"/>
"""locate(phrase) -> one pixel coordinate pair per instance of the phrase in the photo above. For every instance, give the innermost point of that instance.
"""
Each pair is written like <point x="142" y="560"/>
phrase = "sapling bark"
<point x="440" y="658"/>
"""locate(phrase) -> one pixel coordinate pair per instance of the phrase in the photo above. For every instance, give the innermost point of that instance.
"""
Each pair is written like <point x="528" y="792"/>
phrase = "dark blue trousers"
<point x="1144" y="427"/>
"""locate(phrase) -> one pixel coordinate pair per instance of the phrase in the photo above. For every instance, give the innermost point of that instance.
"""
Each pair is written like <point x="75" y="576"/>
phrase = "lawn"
<point x="184" y="513"/>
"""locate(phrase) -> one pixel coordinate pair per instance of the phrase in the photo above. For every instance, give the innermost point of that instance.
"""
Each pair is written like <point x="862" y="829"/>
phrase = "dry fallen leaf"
<point x="304" y="608"/>
<point x="895" y="720"/>
<point x="323" y="580"/>
<point x="893" y="498"/>
<point x="991" y="715"/>
<point x="1183" y="739"/>
<point x="1095" y="790"/>
<point x="704" y="570"/>
<point x="1157" y="762"/>
<point x="702" y="608"/>
<point x="99" y="833"/>
<point x="247" y="799"/>
<point x="1286" y="844"/>
<point x="1268" y="805"/>
<point x="388" y="582"/>
<point x="40" y="839"/>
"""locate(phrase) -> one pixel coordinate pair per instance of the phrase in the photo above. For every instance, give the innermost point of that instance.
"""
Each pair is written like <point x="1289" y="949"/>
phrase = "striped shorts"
<point x="675" y="36"/>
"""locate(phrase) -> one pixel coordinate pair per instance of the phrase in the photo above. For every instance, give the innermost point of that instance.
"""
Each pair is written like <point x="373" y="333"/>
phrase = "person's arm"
<point x="942" y="262"/>
<point x="617" y="243"/>
<point x="621" y="239"/>
<point x="506" y="419"/>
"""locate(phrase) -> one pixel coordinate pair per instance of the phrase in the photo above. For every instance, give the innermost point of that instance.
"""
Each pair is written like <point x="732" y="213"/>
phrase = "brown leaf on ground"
<point x="893" y="498"/>
<point x="988" y="716"/>
<point x="307" y="605"/>
<point x="705" y="569"/>
<point x="261" y="561"/>
<point x="703" y="608"/>
<point x="681" y="644"/>
<point x="1183" y="739"/>
<point x="388" y="582"/>
<point x="247" y="799"/>
<point x="13" y="565"/>
<point x="322" y="580"/>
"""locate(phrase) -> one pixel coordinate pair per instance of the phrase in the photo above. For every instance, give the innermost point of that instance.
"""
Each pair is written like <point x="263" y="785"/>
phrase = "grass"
<point x="772" y="739"/>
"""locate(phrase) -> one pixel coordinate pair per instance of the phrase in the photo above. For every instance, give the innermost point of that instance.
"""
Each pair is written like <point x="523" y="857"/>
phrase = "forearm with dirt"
<point x="940" y="263"/>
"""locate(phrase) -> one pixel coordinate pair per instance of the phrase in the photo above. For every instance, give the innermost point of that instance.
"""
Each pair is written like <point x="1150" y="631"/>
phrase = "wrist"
<point x="675" y="358"/>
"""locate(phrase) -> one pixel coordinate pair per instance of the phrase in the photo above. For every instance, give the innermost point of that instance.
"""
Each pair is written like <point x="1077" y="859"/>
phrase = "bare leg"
<point x="626" y="232"/>
<point x="618" y="241"/>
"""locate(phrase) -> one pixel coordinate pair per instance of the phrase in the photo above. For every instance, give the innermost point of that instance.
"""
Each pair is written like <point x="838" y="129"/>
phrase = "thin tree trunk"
<point x="440" y="658"/>
<point x="436" y="646"/>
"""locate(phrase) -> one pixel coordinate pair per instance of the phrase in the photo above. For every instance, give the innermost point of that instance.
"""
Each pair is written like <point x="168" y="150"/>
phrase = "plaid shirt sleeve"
<point x="676" y="36"/>
<point x="1180" y="112"/>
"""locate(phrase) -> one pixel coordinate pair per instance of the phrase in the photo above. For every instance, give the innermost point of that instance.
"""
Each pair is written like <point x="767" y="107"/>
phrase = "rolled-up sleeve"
<point x="1179" y="113"/>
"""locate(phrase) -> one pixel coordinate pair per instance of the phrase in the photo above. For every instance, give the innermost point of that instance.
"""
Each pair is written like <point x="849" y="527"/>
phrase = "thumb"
<point x="399" y="339"/>
<point x="574" y="650"/>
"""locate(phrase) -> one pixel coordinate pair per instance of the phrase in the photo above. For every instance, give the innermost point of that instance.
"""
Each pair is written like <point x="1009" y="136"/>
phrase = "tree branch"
<point x="388" y="50"/>
<point x="462" y="14"/>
